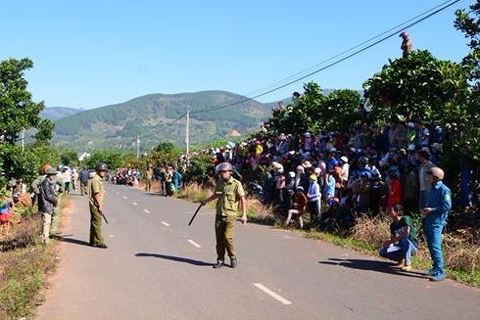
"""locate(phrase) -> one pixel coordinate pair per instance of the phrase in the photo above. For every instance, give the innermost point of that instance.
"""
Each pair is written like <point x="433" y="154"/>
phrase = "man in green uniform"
<point x="97" y="196"/>
<point x="229" y="193"/>
<point x="148" y="177"/>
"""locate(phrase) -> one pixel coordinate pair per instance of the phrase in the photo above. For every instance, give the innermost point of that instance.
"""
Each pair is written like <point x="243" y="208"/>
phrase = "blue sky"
<point x="94" y="53"/>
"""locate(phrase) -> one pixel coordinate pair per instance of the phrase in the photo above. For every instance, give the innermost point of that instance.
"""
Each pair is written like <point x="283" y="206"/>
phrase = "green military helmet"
<point x="101" y="167"/>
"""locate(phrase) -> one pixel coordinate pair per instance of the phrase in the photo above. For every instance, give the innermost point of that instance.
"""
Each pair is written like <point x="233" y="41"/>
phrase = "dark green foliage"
<point x="167" y="147"/>
<point x="469" y="24"/>
<point x="417" y="87"/>
<point x="314" y="111"/>
<point x="113" y="159"/>
<point x="17" y="110"/>
<point x="17" y="113"/>
<point x="200" y="168"/>
<point x="18" y="163"/>
<point x="69" y="157"/>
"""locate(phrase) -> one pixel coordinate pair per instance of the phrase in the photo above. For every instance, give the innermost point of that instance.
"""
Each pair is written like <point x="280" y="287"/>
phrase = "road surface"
<point x="156" y="267"/>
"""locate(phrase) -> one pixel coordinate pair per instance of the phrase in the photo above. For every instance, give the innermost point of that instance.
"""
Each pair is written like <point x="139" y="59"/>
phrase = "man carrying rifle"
<point x="229" y="193"/>
<point x="97" y="196"/>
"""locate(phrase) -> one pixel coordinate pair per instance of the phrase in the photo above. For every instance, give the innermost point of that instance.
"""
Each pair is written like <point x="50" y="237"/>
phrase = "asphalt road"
<point x="157" y="267"/>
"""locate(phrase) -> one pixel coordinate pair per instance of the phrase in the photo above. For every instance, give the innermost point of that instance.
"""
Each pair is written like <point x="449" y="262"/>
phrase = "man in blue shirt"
<point x="439" y="203"/>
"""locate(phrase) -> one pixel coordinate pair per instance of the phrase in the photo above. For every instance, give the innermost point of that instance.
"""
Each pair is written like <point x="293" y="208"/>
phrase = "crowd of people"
<point x="337" y="176"/>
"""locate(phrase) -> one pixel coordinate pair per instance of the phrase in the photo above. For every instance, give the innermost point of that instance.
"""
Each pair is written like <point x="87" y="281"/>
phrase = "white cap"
<point x="344" y="159"/>
<point x="291" y="174"/>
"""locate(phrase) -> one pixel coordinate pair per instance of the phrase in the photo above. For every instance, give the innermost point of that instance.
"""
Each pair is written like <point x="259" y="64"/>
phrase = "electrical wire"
<point x="417" y="21"/>
<point x="345" y="51"/>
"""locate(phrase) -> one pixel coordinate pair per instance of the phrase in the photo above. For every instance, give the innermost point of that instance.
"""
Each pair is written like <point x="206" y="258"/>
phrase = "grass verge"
<point x="24" y="266"/>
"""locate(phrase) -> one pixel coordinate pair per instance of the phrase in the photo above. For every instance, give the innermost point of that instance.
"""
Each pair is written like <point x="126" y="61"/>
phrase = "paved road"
<point x="156" y="267"/>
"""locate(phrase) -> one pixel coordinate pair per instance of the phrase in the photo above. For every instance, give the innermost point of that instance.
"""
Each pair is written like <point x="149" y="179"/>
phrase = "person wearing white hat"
<point x="345" y="170"/>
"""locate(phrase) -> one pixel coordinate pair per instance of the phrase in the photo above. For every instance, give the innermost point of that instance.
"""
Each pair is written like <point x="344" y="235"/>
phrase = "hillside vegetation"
<point x="116" y="126"/>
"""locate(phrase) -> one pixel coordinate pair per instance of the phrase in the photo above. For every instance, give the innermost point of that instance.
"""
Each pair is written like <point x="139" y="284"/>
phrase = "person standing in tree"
<point x="406" y="44"/>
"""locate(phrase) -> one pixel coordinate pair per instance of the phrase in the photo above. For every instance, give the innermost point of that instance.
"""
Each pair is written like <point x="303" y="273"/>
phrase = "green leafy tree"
<point x="417" y="87"/>
<point x="300" y="115"/>
<point x="468" y="22"/>
<point x="69" y="157"/>
<point x="167" y="147"/>
<point x="17" y="110"/>
<point x="340" y="110"/>
<point x="113" y="159"/>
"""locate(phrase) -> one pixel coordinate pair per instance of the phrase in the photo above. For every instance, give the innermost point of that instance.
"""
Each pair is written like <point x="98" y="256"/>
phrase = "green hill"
<point x="151" y="116"/>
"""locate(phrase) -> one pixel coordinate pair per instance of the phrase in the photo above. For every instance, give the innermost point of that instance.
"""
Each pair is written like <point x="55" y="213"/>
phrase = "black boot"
<point x="219" y="264"/>
<point x="233" y="261"/>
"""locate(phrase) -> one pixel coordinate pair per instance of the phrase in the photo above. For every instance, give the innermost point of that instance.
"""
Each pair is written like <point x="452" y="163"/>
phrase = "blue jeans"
<point x="407" y="250"/>
<point x="433" y="231"/>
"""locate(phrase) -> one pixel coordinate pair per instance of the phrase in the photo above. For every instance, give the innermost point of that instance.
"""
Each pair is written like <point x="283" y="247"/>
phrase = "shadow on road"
<point x="372" y="265"/>
<point x="70" y="240"/>
<point x="175" y="258"/>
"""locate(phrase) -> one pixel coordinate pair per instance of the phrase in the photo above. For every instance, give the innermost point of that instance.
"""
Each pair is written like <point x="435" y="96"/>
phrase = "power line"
<point x="164" y="126"/>
<point x="345" y="51"/>
<point x="417" y="21"/>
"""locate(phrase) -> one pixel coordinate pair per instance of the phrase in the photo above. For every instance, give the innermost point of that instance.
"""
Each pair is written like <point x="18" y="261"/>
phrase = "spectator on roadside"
<point x="47" y="201"/>
<point x="314" y="200"/>
<point x="403" y="239"/>
<point x="168" y="181"/>
<point x="423" y="185"/>
<point x="176" y="180"/>
<point x="84" y="176"/>
<point x="298" y="208"/>
<point x="436" y="210"/>
<point x="410" y="189"/>
<point x="394" y="190"/>
<point x="148" y="177"/>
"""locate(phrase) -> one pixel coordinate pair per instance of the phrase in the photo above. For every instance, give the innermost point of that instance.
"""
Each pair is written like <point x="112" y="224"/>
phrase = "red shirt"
<point x="395" y="196"/>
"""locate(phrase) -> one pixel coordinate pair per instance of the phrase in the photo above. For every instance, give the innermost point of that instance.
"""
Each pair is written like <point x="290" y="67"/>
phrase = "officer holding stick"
<point x="229" y="193"/>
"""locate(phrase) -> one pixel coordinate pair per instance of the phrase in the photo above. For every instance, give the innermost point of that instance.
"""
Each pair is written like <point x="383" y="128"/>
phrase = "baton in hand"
<point x="104" y="217"/>
<point x="195" y="214"/>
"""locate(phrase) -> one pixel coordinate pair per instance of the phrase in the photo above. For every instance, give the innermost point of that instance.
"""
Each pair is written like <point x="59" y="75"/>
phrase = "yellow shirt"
<point x="229" y="194"/>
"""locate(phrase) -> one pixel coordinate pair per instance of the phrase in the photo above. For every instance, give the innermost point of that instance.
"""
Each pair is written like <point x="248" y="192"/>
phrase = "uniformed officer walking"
<point x="229" y="193"/>
<point x="97" y="197"/>
<point x="439" y="203"/>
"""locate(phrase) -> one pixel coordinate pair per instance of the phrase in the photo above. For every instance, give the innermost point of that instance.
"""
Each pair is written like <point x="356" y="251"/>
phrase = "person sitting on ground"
<point x="403" y="239"/>
<point x="298" y="208"/>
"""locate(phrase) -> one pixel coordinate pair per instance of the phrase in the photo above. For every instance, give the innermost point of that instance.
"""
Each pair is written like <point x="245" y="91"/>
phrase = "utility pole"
<point x="138" y="147"/>
<point x="187" y="137"/>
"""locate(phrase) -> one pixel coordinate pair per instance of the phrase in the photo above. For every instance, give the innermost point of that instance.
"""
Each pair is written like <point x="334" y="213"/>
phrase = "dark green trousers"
<point x="224" y="234"/>
<point x="95" y="226"/>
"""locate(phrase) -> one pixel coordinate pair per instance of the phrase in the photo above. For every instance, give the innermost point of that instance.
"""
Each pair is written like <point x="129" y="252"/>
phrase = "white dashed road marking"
<point x="135" y="204"/>
<point x="193" y="243"/>
<point x="124" y="197"/>
<point x="146" y="211"/>
<point x="165" y="224"/>
<point x="272" y="294"/>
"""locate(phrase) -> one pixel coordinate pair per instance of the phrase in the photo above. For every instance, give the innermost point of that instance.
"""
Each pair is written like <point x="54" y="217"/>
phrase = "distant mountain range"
<point x="55" y="113"/>
<point x="159" y="117"/>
